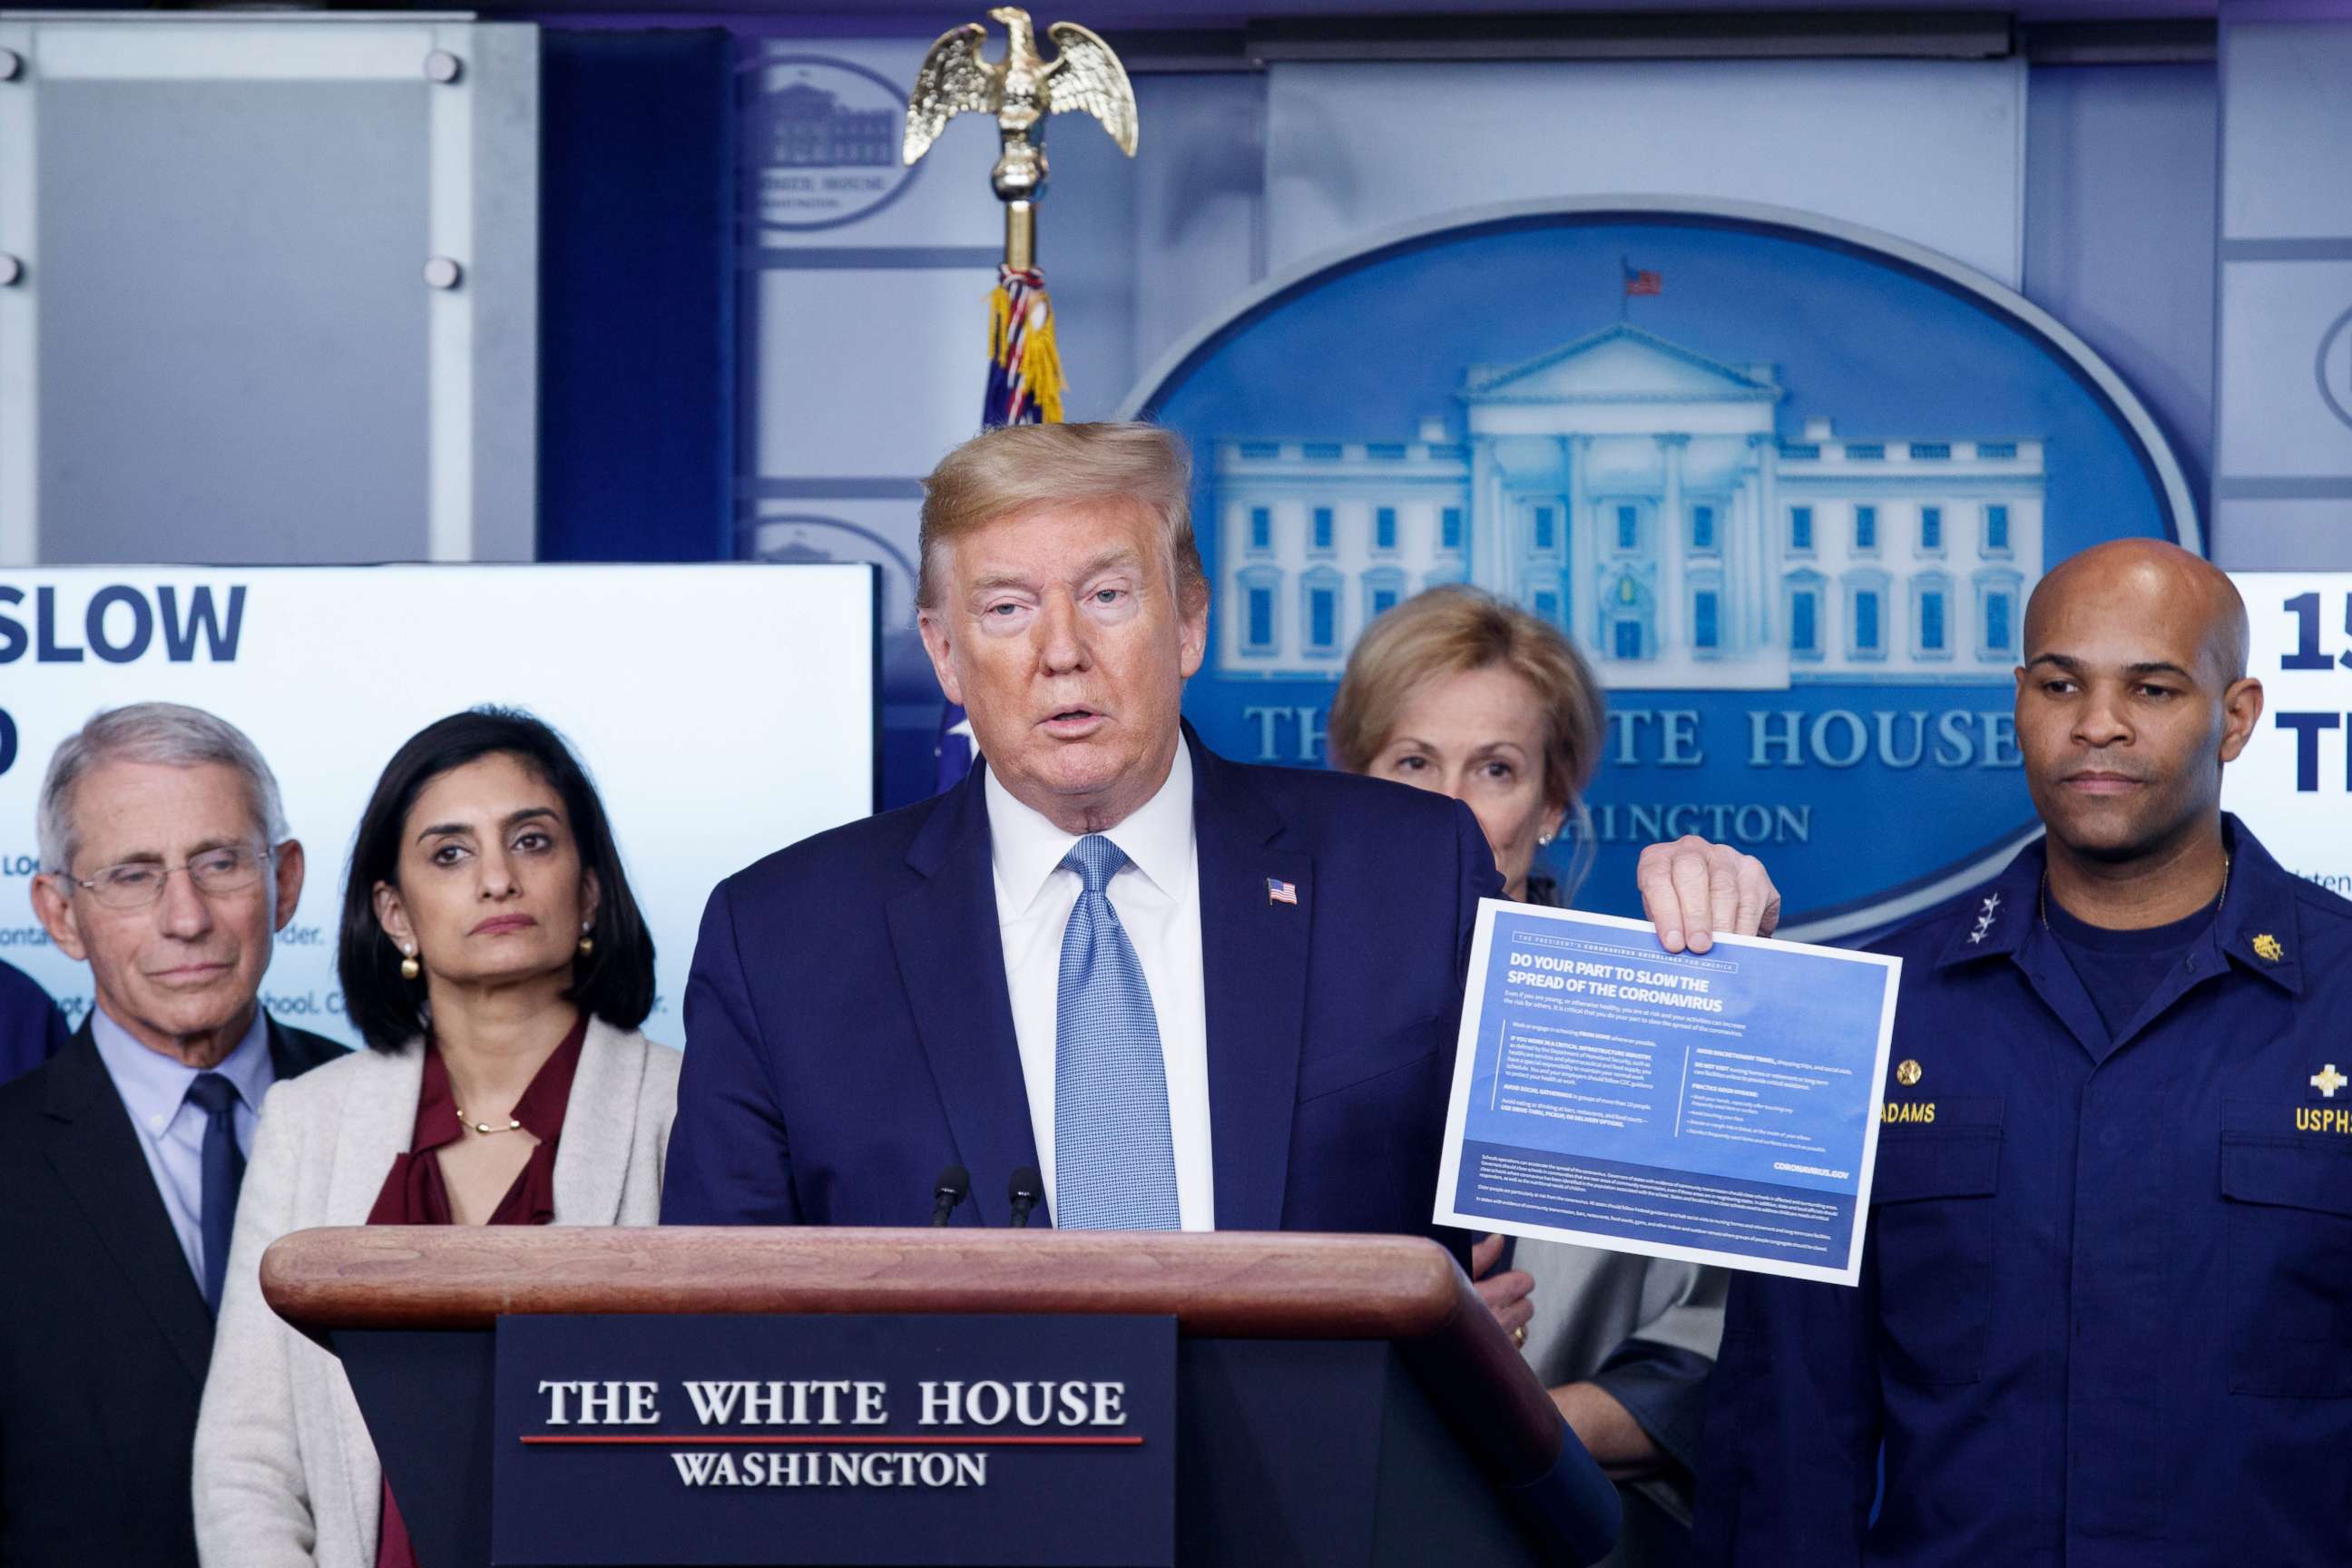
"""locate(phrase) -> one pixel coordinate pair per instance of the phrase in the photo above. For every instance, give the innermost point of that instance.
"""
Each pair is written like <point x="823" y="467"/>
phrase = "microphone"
<point x="1026" y="1190"/>
<point x="953" y="1186"/>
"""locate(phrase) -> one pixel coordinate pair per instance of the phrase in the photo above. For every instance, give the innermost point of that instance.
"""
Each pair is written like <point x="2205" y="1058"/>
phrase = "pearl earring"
<point x="587" y="943"/>
<point x="409" y="968"/>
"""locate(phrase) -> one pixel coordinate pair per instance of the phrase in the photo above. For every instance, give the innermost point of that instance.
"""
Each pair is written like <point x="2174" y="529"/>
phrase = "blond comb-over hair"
<point x="1018" y="469"/>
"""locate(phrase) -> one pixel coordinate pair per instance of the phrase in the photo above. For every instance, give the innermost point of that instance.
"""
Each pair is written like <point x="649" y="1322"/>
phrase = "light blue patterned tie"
<point x="1114" y="1161"/>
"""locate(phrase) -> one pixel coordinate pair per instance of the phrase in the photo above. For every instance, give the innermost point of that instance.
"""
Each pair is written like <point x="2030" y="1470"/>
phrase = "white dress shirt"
<point x="1158" y="895"/>
<point x="154" y="1089"/>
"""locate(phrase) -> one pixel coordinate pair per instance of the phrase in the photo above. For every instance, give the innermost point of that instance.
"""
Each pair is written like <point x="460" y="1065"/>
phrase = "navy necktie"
<point x="1114" y="1158"/>
<point x="224" y="1166"/>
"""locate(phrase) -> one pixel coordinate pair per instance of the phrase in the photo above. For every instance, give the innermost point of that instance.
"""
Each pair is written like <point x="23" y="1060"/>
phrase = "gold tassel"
<point x="1000" y="323"/>
<point x="1036" y="376"/>
<point x="1041" y="364"/>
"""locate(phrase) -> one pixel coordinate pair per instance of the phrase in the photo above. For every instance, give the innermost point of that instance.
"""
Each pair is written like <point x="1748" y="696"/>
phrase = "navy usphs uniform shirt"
<point x="2105" y="1308"/>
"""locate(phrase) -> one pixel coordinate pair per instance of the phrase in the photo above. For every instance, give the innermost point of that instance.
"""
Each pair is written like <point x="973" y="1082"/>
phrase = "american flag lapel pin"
<point x="1280" y="892"/>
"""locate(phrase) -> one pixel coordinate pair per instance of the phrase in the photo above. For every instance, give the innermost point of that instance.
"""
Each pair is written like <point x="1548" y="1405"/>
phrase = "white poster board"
<point x="2292" y="783"/>
<point x="723" y="712"/>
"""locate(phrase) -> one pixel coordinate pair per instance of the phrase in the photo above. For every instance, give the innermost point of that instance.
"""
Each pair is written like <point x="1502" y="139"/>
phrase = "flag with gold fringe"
<point x="1025" y="369"/>
<point x="1024" y="387"/>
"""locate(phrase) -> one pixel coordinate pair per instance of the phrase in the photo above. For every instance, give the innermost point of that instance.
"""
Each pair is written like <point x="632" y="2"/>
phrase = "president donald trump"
<point x="1190" y="993"/>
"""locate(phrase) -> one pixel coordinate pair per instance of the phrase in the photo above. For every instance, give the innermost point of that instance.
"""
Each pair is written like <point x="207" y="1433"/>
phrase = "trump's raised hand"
<point x="1691" y="889"/>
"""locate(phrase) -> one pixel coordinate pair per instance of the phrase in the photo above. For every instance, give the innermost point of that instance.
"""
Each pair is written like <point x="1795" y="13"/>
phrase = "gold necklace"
<point x="484" y="1128"/>
<point x="2045" y="891"/>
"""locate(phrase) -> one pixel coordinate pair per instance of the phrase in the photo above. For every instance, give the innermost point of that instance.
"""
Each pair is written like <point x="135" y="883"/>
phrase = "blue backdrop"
<point x="1366" y="349"/>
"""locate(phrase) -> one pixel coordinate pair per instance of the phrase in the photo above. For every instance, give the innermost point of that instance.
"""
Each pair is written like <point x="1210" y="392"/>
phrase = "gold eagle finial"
<point x="1019" y="90"/>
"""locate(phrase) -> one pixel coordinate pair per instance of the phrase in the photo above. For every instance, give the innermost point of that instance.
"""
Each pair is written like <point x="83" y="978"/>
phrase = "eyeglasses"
<point x="137" y="884"/>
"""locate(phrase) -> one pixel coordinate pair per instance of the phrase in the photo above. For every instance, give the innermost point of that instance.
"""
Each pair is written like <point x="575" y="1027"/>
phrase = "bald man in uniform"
<point x="2105" y="1310"/>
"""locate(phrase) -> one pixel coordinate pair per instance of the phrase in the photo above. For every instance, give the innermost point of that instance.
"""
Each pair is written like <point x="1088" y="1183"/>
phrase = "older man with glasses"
<point x="167" y="867"/>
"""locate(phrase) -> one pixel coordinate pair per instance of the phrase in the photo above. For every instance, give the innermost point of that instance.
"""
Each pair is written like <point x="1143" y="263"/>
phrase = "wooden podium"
<point x="1340" y="1399"/>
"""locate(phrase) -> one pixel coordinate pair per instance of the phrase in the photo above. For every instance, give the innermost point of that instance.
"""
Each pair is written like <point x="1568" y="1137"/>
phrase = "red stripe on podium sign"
<point x="693" y="1440"/>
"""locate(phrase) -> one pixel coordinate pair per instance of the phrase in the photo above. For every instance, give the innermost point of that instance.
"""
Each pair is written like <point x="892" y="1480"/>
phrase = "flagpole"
<point x="1021" y="235"/>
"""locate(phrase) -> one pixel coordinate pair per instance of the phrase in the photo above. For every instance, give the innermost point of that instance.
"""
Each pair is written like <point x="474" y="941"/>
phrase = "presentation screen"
<point x="723" y="712"/>
<point x="2292" y="783"/>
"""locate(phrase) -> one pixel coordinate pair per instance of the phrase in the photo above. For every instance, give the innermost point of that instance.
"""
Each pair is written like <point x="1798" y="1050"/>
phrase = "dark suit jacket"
<point x="32" y="1030"/>
<point x="104" y="1333"/>
<point x="849" y="1032"/>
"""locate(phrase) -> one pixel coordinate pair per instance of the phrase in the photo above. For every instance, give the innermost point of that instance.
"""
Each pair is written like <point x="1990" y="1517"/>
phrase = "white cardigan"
<point x="285" y="1474"/>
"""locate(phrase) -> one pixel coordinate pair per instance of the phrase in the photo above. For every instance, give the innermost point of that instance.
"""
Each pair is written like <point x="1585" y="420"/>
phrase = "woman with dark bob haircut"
<point x="494" y="959"/>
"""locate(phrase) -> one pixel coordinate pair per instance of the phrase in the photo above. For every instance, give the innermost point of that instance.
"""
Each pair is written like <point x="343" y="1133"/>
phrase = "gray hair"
<point x="159" y="733"/>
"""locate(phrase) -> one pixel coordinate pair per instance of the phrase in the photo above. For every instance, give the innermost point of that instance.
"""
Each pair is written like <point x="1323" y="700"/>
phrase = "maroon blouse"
<point x="413" y="1194"/>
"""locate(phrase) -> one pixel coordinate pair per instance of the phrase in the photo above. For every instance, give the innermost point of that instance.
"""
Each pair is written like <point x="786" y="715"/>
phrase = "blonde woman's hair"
<point x="1017" y="468"/>
<point x="1454" y="630"/>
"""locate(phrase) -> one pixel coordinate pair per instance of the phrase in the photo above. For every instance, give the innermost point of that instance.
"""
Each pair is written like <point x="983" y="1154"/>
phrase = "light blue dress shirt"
<point x="154" y="1089"/>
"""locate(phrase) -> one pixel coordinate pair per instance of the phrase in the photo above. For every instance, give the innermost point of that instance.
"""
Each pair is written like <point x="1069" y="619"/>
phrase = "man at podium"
<point x="1185" y="994"/>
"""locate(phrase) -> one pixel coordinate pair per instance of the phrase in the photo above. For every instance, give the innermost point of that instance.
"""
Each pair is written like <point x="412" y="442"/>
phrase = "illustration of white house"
<point x="1641" y="496"/>
<point x="811" y="129"/>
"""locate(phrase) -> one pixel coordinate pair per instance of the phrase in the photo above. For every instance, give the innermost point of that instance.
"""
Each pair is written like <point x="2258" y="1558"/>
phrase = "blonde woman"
<point x="1456" y="692"/>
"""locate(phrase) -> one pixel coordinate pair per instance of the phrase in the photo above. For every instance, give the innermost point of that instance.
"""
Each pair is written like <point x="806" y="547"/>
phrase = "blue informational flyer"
<point x="1717" y="1107"/>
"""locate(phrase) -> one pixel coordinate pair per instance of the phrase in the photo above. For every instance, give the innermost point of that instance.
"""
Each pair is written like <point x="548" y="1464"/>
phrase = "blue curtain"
<point x="638" y="295"/>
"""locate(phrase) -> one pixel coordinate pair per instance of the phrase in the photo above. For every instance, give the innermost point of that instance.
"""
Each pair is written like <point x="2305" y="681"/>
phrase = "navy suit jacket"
<point x="32" y="1030"/>
<point x="105" y="1338"/>
<point x="849" y="1032"/>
